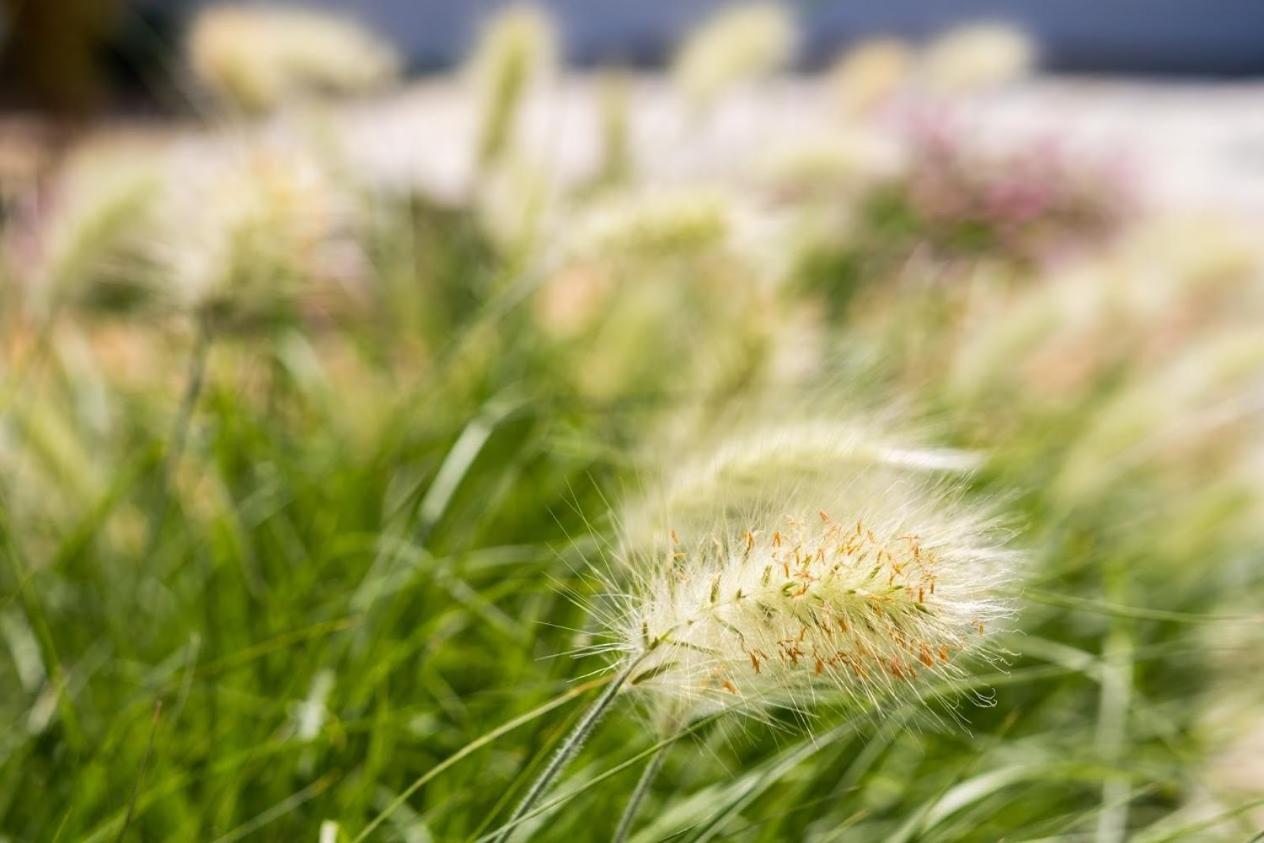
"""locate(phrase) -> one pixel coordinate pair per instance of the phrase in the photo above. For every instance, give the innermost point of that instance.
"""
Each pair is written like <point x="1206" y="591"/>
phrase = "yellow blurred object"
<point x="260" y="221"/>
<point x="517" y="47"/>
<point x="94" y="239"/>
<point x="869" y="74"/>
<point x="257" y="58"/>
<point x="975" y="58"/>
<point x="739" y="44"/>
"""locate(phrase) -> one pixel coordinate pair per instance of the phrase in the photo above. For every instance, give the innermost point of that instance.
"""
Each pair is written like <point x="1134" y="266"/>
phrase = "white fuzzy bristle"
<point x="848" y="588"/>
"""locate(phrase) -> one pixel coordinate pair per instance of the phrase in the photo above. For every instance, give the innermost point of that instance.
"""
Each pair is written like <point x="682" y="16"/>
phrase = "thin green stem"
<point x="638" y="795"/>
<point x="194" y="380"/>
<point x="140" y="775"/>
<point x="1112" y="722"/>
<point x="595" y="781"/>
<point x="469" y="748"/>
<point x="570" y="746"/>
<point x="37" y="617"/>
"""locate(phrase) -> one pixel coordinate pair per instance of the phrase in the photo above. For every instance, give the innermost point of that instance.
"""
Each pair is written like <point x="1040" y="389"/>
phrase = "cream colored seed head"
<point x="516" y="48"/>
<point x="739" y="44"/>
<point x="869" y="74"/>
<point x="101" y="217"/>
<point x="976" y="57"/>
<point x="652" y="224"/>
<point x="263" y="217"/>
<point x="771" y="462"/>
<point x="255" y="58"/>
<point x="852" y="603"/>
<point x="519" y="40"/>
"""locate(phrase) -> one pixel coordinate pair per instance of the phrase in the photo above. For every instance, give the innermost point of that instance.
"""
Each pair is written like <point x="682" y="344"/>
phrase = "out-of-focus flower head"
<point x="1029" y="201"/>
<point x="629" y="266"/>
<point x="256" y="58"/>
<point x="515" y="48"/>
<point x="976" y="57"/>
<point x="92" y="249"/>
<point x="251" y="223"/>
<point x="654" y="224"/>
<point x="634" y="243"/>
<point x="739" y="44"/>
<point x="615" y="103"/>
<point x="869" y="74"/>
<point x="834" y="165"/>
<point x="1156" y="291"/>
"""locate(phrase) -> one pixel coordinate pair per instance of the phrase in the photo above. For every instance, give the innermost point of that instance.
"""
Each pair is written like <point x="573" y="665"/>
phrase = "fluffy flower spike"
<point x="739" y="44"/>
<point x="257" y="58"/>
<point x="265" y="219"/>
<point x="93" y="244"/>
<point x="516" y="47"/>
<point x="850" y="590"/>
<point x="869" y="74"/>
<point x="977" y="57"/>
<point x="761" y="463"/>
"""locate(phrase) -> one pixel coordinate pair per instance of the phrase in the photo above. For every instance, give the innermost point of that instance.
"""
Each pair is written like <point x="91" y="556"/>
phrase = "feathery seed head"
<point x="1198" y="252"/>
<point x="739" y="44"/>
<point x="92" y="245"/>
<point x="615" y="103"/>
<point x="892" y="580"/>
<point x="761" y="463"/>
<point x="267" y="217"/>
<point x="654" y="224"/>
<point x="516" y="47"/>
<point x="1164" y="285"/>
<point x="1192" y="418"/>
<point x="806" y="562"/>
<point x="840" y="163"/>
<point x="868" y="75"/>
<point x="256" y="58"/>
<point x="635" y="262"/>
<point x="976" y="57"/>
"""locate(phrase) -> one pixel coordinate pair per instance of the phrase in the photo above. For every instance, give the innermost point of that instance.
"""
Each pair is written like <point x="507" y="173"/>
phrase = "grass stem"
<point x="639" y="793"/>
<point x="195" y="378"/>
<point x="570" y="746"/>
<point x="1112" y="720"/>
